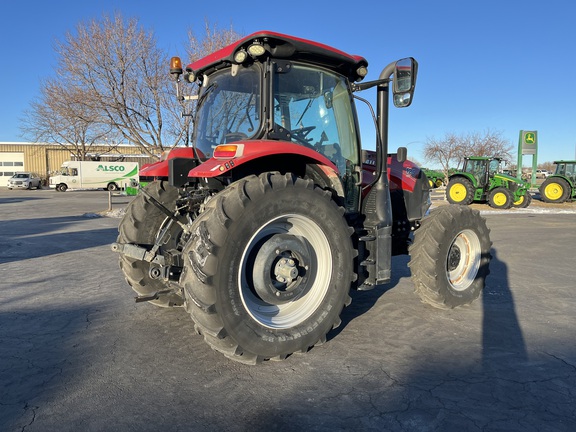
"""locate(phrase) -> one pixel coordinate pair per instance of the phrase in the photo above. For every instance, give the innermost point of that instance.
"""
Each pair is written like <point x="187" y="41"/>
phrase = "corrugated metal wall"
<point x="45" y="159"/>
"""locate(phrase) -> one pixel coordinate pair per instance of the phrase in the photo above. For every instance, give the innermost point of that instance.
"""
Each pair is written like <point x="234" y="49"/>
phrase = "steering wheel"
<point x="234" y="136"/>
<point x="301" y="134"/>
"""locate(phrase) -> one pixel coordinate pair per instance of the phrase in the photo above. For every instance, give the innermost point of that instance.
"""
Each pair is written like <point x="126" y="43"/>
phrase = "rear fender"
<point x="401" y="175"/>
<point x="409" y="188"/>
<point x="570" y="182"/>
<point x="466" y="176"/>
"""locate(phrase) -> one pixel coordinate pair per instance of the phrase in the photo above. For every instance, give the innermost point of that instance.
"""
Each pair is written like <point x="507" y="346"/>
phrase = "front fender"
<point x="253" y="150"/>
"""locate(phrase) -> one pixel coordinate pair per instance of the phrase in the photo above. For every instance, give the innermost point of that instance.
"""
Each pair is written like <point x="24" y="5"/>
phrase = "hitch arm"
<point x="165" y="210"/>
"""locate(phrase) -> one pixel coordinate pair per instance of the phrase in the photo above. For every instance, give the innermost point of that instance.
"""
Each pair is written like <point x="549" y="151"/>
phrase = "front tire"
<point x="500" y="198"/>
<point x="460" y="191"/>
<point x="141" y="225"/>
<point x="524" y="201"/>
<point x="268" y="269"/>
<point x="450" y="257"/>
<point x="554" y="190"/>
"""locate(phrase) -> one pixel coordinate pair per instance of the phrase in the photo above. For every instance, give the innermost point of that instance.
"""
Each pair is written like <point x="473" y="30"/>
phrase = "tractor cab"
<point x="481" y="168"/>
<point x="273" y="102"/>
<point x="566" y="169"/>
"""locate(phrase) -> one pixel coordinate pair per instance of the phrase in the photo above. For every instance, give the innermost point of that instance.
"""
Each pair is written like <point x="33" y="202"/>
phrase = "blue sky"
<point x="501" y="65"/>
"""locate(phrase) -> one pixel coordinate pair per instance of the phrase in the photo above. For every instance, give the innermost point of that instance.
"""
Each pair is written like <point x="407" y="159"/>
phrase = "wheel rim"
<point x="463" y="261"/>
<point x="519" y="201"/>
<point x="554" y="191"/>
<point x="499" y="199"/>
<point x="281" y="283"/>
<point x="458" y="192"/>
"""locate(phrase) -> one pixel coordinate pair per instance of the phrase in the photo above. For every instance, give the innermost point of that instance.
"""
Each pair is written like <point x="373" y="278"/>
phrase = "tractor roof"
<point x="482" y="158"/>
<point x="563" y="161"/>
<point x="281" y="46"/>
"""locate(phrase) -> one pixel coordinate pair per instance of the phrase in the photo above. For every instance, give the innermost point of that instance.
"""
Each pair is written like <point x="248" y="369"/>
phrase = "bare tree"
<point x="548" y="166"/>
<point x="446" y="152"/>
<point x="113" y="82"/>
<point x="60" y="116"/>
<point x="126" y="80"/>
<point x="487" y="143"/>
<point x="449" y="151"/>
<point x="213" y="40"/>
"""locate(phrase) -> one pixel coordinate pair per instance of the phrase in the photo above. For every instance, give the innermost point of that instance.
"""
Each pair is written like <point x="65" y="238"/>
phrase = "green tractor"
<point x="560" y="186"/>
<point x="435" y="178"/>
<point x="480" y="180"/>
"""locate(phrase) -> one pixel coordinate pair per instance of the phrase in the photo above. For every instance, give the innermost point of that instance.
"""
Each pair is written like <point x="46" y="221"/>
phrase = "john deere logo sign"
<point x="529" y="142"/>
<point x="110" y="168"/>
<point x="529" y="138"/>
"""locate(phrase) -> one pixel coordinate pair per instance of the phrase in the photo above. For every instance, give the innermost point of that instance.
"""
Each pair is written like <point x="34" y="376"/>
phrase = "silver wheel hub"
<point x="280" y="269"/>
<point x="463" y="261"/>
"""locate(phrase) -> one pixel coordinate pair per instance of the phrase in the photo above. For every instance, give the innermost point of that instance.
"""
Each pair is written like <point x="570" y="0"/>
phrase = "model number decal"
<point x="411" y="171"/>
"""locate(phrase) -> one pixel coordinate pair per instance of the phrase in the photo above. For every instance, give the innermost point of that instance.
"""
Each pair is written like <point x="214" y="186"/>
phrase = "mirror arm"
<point x="369" y="84"/>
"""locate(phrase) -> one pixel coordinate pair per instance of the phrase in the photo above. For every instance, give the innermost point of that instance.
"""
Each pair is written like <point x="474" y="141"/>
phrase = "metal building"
<point x="46" y="159"/>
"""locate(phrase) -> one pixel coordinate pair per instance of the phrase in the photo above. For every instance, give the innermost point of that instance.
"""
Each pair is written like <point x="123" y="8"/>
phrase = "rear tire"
<point x="450" y="256"/>
<point x="554" y="190"/>
<point x="112" y="187"/>
<point x="500" y="198"/>
<point x="268" y="269"/>
<point x="460" y="191"/>
<point x="140" y="225"/>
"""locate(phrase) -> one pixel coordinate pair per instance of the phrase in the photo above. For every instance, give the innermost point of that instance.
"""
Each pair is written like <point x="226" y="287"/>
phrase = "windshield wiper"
<point x="205" y="93"/>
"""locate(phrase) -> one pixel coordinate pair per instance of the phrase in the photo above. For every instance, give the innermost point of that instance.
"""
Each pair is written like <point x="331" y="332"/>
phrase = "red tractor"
<point x="262" y="228"/>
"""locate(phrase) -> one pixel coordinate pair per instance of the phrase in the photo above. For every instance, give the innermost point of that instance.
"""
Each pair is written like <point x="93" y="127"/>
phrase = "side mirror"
<point x="402" y="154"/>
<point x="404" y="81"/>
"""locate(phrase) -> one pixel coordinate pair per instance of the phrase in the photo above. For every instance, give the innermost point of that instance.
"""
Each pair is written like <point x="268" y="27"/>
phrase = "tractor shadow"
<point x="501" y="331"/>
